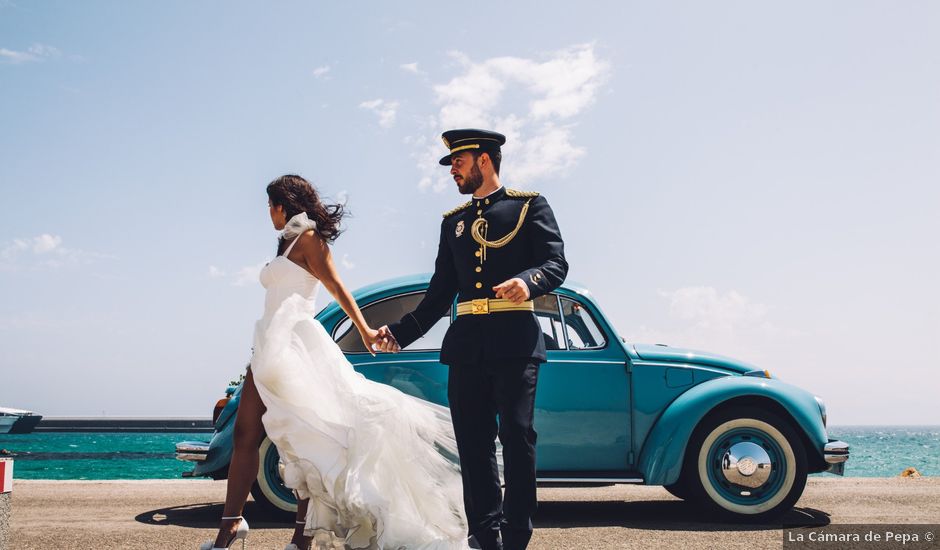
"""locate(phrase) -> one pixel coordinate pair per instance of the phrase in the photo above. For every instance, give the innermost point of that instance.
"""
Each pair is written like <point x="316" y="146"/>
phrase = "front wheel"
<point x="746" y="463"/>
<point x="679" y="490"/>
<point x="268" y="489"/>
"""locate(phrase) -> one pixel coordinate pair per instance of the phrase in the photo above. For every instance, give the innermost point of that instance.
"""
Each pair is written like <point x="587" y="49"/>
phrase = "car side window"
<point x="583" y="331"/>
<point x="385" y="312"/>
<point x="546" y="311"/>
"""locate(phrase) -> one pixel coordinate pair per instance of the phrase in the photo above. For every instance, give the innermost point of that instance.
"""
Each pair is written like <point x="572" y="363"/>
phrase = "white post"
<point x="6" y="500"/>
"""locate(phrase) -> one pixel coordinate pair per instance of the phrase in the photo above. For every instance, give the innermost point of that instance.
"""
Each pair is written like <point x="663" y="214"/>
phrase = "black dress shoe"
<point x="491" y="544"/>
<point x="515" y="539"/>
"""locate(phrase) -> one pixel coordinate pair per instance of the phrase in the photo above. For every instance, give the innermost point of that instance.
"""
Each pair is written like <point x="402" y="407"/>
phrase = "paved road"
<point x="170" y="514"/>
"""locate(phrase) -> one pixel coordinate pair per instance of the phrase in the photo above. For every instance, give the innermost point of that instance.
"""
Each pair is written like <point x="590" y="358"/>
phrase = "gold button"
<point x="479" y="269"/>
<point x="477" y="253"/>
<point x="479" y="285"/>
<point x="487" y="201"/>
<point x="479" y="212"/>
<point x="478" y="203"/>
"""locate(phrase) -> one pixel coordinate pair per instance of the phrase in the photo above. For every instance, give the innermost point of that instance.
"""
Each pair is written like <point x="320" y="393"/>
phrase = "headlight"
<point x="822" y="408"/>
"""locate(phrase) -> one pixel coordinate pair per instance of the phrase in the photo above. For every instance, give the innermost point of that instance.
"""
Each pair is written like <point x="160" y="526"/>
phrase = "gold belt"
<point x="485" y="306"/>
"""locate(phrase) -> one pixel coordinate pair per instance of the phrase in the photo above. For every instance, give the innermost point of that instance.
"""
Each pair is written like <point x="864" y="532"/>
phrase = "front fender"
<point x="661" y="457"/>
<point x="220" y="453"/>
<point x="221" y="444"/>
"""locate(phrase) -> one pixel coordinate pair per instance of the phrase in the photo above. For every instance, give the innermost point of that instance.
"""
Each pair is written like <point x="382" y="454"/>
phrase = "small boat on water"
<point x="18" y="421"/>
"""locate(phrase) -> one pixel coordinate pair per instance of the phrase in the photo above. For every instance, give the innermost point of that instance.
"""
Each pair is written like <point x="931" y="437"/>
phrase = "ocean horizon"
<point x="876" y="451"/>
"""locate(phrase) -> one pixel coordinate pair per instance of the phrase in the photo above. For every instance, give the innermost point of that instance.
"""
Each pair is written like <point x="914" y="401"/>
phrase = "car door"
<point x="582" y="403"/>
<point x="417" y="369"/>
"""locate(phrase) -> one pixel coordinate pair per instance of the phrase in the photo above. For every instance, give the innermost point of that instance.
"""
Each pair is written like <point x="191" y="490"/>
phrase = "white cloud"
<point x="15" y="57"/>
<point x="215" y="272"/>
<point x="321" y="72"/>
<point x="411" y="68"/>
<point x="535" y="103"/>
<point x="43" y="251"/>
<point x="10" y="251"/>
<point x="39" y="245"/>
<point x="347" y="263"/>
<point x="707" y="308"/>
<point x="384" y="109"/>
<point x="36" y="52"/>
<point x="549" y="152"/>
<point x="46" y="243"/>
<point x="248" y="275"/>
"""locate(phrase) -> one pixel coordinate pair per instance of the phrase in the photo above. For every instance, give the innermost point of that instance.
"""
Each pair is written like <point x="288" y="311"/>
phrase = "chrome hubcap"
<point x="746" y="464"/>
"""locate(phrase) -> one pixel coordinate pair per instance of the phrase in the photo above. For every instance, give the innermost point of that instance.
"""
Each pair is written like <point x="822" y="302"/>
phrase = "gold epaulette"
<point x="450" y="213"/>
<point x="520" y="194"/>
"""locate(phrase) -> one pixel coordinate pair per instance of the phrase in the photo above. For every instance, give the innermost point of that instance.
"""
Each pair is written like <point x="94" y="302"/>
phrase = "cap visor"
<point x="445" y="161"/>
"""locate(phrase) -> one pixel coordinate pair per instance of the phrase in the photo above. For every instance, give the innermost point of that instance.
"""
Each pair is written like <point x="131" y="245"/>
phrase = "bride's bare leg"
<point x="243" y="469"/>
<point x="298" y="538"/>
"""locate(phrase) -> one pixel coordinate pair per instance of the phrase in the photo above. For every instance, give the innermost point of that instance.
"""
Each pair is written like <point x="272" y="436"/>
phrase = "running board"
<point x="588" y="477"/>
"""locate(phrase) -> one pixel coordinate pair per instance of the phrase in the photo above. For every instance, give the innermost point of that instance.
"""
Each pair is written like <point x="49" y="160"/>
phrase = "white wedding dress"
<point x="372" y="460"/>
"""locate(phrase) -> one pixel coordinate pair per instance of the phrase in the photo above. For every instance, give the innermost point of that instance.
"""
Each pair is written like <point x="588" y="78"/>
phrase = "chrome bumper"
<point x="836" y="453"/>
<point x="192" y="451"/>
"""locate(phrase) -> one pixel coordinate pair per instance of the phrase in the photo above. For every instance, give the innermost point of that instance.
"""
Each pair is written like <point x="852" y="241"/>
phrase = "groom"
<point x="497" y="253"/>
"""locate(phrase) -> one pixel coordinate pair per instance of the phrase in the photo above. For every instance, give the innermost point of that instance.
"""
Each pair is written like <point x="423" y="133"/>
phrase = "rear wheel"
<point x="745" y="463"/>
<point x="268" y="489"/>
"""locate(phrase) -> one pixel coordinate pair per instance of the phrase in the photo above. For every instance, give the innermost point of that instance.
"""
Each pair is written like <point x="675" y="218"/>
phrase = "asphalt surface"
<point x="170" y="514"/>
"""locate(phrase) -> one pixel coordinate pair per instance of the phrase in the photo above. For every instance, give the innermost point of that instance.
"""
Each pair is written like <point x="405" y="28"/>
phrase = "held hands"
<point x="386" y="341"/>
<point x="379" y="340"/>
<point x="370" y="337"/>
<point x="514" y="290"/>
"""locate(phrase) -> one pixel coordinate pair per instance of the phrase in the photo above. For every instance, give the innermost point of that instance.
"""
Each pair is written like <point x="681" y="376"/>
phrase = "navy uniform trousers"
<point x="486" y="401"/>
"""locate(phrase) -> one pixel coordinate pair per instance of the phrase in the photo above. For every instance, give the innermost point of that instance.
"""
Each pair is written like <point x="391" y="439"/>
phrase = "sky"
<point x="756" y="179"/>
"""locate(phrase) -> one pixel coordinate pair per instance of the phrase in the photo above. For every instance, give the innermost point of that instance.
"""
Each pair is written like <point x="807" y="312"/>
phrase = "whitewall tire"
<point x="268" y="489"/>
<point x="746" y="463"/>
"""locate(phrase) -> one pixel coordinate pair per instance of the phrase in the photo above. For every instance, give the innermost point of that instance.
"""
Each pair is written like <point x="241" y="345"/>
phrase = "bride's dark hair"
<point x="297" y="195"/>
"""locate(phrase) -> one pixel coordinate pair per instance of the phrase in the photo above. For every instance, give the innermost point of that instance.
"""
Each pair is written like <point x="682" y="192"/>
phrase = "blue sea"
<point x="876" y="451"/>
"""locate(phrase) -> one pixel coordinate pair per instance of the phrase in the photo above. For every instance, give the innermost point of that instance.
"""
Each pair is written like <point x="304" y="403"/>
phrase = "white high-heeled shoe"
<point x="240" y="534"/>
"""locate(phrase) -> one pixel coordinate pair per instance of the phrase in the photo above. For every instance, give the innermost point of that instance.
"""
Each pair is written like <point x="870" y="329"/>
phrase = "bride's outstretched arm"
<point x="319" y="261"/>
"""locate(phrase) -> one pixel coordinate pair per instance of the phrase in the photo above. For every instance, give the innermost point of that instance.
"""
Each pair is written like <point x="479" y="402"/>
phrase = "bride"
<point x="368" y="463"/>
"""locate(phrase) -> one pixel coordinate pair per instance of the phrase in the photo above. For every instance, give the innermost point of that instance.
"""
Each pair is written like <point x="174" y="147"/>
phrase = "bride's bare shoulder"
<point x="311" y="242"/>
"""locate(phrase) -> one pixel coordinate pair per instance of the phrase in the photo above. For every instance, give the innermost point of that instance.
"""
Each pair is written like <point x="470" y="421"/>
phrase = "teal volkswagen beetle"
<point x="711" y="430"/>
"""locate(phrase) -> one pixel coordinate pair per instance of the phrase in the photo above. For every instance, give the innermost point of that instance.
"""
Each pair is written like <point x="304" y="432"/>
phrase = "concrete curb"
<point x="6" y="501"/>
<point x="6" y="513"/>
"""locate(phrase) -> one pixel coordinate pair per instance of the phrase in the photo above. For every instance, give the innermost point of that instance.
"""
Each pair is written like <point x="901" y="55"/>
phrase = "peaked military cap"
<point x="470" y="139"/>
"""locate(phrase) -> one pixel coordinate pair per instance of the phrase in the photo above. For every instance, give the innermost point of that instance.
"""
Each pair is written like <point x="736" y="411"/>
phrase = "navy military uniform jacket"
<point x="465" y="269"/>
